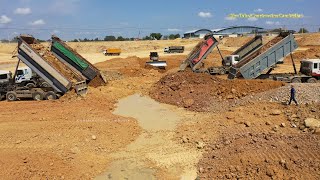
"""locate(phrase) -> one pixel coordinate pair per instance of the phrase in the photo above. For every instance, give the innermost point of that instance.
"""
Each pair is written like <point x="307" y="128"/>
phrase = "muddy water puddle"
<point x="150" y="114"/>
<point x="154" y="149"/>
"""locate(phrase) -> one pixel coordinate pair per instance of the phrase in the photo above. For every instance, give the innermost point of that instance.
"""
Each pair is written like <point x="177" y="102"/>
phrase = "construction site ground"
<point x="164" y="124"/>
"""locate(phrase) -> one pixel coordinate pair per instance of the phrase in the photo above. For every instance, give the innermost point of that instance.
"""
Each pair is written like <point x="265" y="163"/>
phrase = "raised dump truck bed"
<point x="74" y="60"/>
<point x="265" y="58"/>
<point x="249" y="47"/>
<point x="199" y="53"/>
<point x="42" y="62"/>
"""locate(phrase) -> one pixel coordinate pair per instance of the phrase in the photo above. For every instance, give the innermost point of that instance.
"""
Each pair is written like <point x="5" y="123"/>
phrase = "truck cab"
<point x="24" y="74"/>
<point x="26" y="77"/>
<point x="310" y="67"/>
<point x="231" y="60"/>
<point x="5" y="76"/>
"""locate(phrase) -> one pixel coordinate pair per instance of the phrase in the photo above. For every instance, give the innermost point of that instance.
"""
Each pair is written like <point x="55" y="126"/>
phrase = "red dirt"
<point x="196" y="91"/>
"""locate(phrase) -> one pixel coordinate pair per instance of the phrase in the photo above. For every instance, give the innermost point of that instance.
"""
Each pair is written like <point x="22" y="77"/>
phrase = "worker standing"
<point x="292" y="95"/>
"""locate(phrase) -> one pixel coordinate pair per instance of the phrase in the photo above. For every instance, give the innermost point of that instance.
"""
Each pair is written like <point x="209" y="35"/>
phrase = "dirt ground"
<point x="211" y="129"/>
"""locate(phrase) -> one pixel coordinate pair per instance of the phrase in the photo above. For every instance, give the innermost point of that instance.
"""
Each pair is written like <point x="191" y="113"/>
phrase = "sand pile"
<point x="312" y="52"/>
<point x="234" y="42"/>
<point x="196" y="91"/>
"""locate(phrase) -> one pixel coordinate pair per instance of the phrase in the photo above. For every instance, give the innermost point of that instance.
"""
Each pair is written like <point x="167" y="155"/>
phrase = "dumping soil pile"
<point x="53" y="61"/>
<point x="197" y="92"/>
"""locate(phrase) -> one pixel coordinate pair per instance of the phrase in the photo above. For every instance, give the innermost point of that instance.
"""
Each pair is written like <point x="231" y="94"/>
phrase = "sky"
<point x="71" y="19"/>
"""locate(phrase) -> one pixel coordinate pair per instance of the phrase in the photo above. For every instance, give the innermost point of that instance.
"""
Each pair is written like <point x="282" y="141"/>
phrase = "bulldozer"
<point x="155" y="62"/>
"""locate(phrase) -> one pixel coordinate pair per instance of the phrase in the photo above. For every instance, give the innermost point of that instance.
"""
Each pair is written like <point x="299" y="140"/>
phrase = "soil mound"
<point x="197" y="92"/>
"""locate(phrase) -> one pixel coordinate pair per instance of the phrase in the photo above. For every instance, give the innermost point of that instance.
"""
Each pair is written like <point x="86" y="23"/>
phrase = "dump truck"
<point x="174" y="49"/>
<point x="199" y="53"/>
<point x="264" y="59"/>
<point x="309" y="73"/>
<point x="155" y="62"/>
<point x="26" y="77"/>
<point x="74" y="60"/>
<point x="112" y="52"/>
<point x="251" y="46"/>
<point x="60" y="79"/>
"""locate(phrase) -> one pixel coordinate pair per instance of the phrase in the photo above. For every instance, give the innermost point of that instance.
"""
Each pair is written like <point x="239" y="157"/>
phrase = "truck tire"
<point x="312" y="80"/>
<point x="222" y="71"/>
<point x="296" y="80"/>
<point x="11" y="96"/>
<point x="30" y="85"/>
<point x="50" y="96"/>
<point x="38" y="96"/>
<point x="45" y="84"/>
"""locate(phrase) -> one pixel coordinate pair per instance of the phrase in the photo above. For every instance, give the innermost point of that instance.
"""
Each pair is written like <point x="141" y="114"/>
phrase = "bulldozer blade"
<point x="157" y="63"/>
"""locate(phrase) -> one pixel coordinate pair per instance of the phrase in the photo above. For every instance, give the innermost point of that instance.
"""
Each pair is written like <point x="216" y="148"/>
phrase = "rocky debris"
<point x="268" y="123"/>
<point x="247" y="124"/>
<point x="188" y="103"/>
<point x="311" y="122"/>
<point x="306" y="93"/>
<point x="93" y="137"/>
<point x="200" y="144"/>
<point x="249" y="160"/>
<point x="283" y="125"/>
<point x="275" y="112"/>
<point x="185" y="139"/>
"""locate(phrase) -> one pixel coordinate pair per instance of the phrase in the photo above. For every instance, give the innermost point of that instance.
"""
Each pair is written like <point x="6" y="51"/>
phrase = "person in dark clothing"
<point x="292" y="95"/>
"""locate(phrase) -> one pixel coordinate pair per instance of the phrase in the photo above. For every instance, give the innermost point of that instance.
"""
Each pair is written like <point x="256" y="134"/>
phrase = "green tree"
<point x="171" y="36"/>
<point x="120" y="38"/>
<point x="109" y="38"/>
<point x="146" y="38"/>
<point x="96" y="39"/>
<point x="303" y="30"/>
<point x="177" y="36"/>
<point x="157" y="36"/>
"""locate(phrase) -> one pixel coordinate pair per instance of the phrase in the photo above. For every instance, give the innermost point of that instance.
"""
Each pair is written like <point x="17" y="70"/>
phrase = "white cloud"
<point x="205" y="14"/>
<point x="5" y="19"/>
<point x="229" y="18"/>
<point x="56" y="31"/>
<point x="252" y="19"/>
<point x="273" y="23"/>
<point x="258" y="10"/>
<point x="22" y="11"/>
<point x="38" y="22"/>
<point x="174" y="30"/>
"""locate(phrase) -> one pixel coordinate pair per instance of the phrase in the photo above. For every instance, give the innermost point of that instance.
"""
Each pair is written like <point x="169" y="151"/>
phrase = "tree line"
<point x="152" y="36"/>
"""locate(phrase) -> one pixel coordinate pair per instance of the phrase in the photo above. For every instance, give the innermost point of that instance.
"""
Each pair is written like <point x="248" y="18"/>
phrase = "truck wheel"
<point x="312" y="80"/>
<point x="296" y="80"/>
<point x="222" y="72"/>
<point x="37" y="96"/>
<point x="50" y="96"/>
<point x="11" y="96"/>
<point x="45" y="84"/>
<point x="30" y="85"/>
